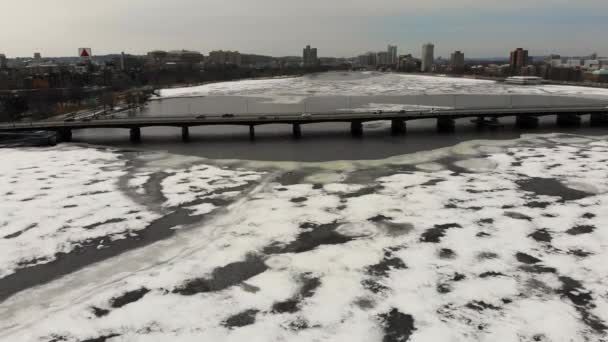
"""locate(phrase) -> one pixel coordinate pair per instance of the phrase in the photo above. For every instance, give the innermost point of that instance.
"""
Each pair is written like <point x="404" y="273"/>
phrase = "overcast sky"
<point x="480" y="28"/>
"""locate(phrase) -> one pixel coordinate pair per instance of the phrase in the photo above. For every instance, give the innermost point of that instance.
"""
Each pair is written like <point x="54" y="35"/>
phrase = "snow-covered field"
<point x="483" y="241"/>
<point x="294" y="90"/>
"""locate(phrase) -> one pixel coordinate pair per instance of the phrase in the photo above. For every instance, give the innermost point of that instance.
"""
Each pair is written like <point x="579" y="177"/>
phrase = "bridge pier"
<point x="479" y="122"/>
<point x="526" y="121"/>
<point x="297" y="131"/>
<point x="446" y="125"/>
<point x="252" y="132"/>
<point x="398" y="127"/>
<point x="64" y="135"/>
<point x="356" y="128"/>
<point x="135" y="135"/>
<point x="185" y="134"/>
<point x="568" y="120"/>
<point x="598" y="119"/>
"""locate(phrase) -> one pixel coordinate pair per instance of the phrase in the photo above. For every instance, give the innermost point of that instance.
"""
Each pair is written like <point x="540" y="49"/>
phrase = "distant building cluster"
<point x="383" y="59"/>
<point x="225" y="57"/>
<point x="519" y="63"/>
<point x="185" y="58"/>
<point x="176" y="58"/>
<point x="553" y="67"/>
<point x="37" y="72"/>
<point x="589" y="68"/>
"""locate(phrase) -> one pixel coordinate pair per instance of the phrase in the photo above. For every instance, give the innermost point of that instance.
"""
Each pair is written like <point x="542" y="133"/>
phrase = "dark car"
<point x="201" y="117"/>
<point x="228" y="115"/>
<point x="69" y="120"/>
<point x="263" y="118"/>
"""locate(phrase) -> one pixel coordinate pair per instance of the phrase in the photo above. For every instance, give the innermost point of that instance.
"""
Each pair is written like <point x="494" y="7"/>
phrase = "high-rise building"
<point x="428" y="57"/>
<point x="3" y="62"/>
<point x="362" y="60"/>
<point x="408" y="63"/>
<point x="382" y="58"/>
<point x="518" y="60"/>
<point x="309" y="57"/>
<point x="37" y="56"/>
<point x="457" y="62"/>
<point x="368" y="59"/>
<point x="392" y="55"/>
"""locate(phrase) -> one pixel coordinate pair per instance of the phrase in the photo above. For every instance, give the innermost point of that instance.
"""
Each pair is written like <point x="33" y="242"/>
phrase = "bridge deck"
<point x="298" y="118"/>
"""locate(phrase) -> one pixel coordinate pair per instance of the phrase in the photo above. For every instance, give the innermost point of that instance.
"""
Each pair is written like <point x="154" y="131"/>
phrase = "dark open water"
<point x="322" y="142"/>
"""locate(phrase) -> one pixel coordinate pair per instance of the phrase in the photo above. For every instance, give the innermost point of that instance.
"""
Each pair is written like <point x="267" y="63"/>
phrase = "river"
<point x="336" y="91"/>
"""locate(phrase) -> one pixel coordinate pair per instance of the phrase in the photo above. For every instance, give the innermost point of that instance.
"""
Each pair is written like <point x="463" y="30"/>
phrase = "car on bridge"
<point x="306" y="116"/>
<point x="228" y="115"/>
<point x="201" y="117"/>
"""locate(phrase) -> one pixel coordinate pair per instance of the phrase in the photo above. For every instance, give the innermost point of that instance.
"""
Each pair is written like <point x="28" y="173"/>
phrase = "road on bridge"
<point x="526" y="117"/>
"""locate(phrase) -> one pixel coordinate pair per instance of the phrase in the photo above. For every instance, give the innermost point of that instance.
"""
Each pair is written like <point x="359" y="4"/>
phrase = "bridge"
<point x="526" y="117"/>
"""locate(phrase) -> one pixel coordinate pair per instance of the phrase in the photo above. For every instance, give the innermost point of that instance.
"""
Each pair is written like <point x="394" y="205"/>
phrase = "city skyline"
<point x="481" y="29"/>
<point x="415" y="52"/>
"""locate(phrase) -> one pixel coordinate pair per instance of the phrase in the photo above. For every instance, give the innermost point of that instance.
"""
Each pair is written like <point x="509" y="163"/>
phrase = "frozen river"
<point x="487" y="241"/>
<point x="359" y="91"/>
<point x="484" y="236"/>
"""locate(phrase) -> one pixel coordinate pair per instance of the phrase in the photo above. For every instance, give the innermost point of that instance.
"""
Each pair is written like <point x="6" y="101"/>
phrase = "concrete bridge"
<point x="526" y="117"/>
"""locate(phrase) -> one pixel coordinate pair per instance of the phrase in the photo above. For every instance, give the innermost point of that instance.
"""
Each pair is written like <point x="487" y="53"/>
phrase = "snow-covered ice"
<point x="58" y="200"/>
<point x="502" y="241"/>
<point x="392" y="107"/>
<point x="294" y="90"/>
